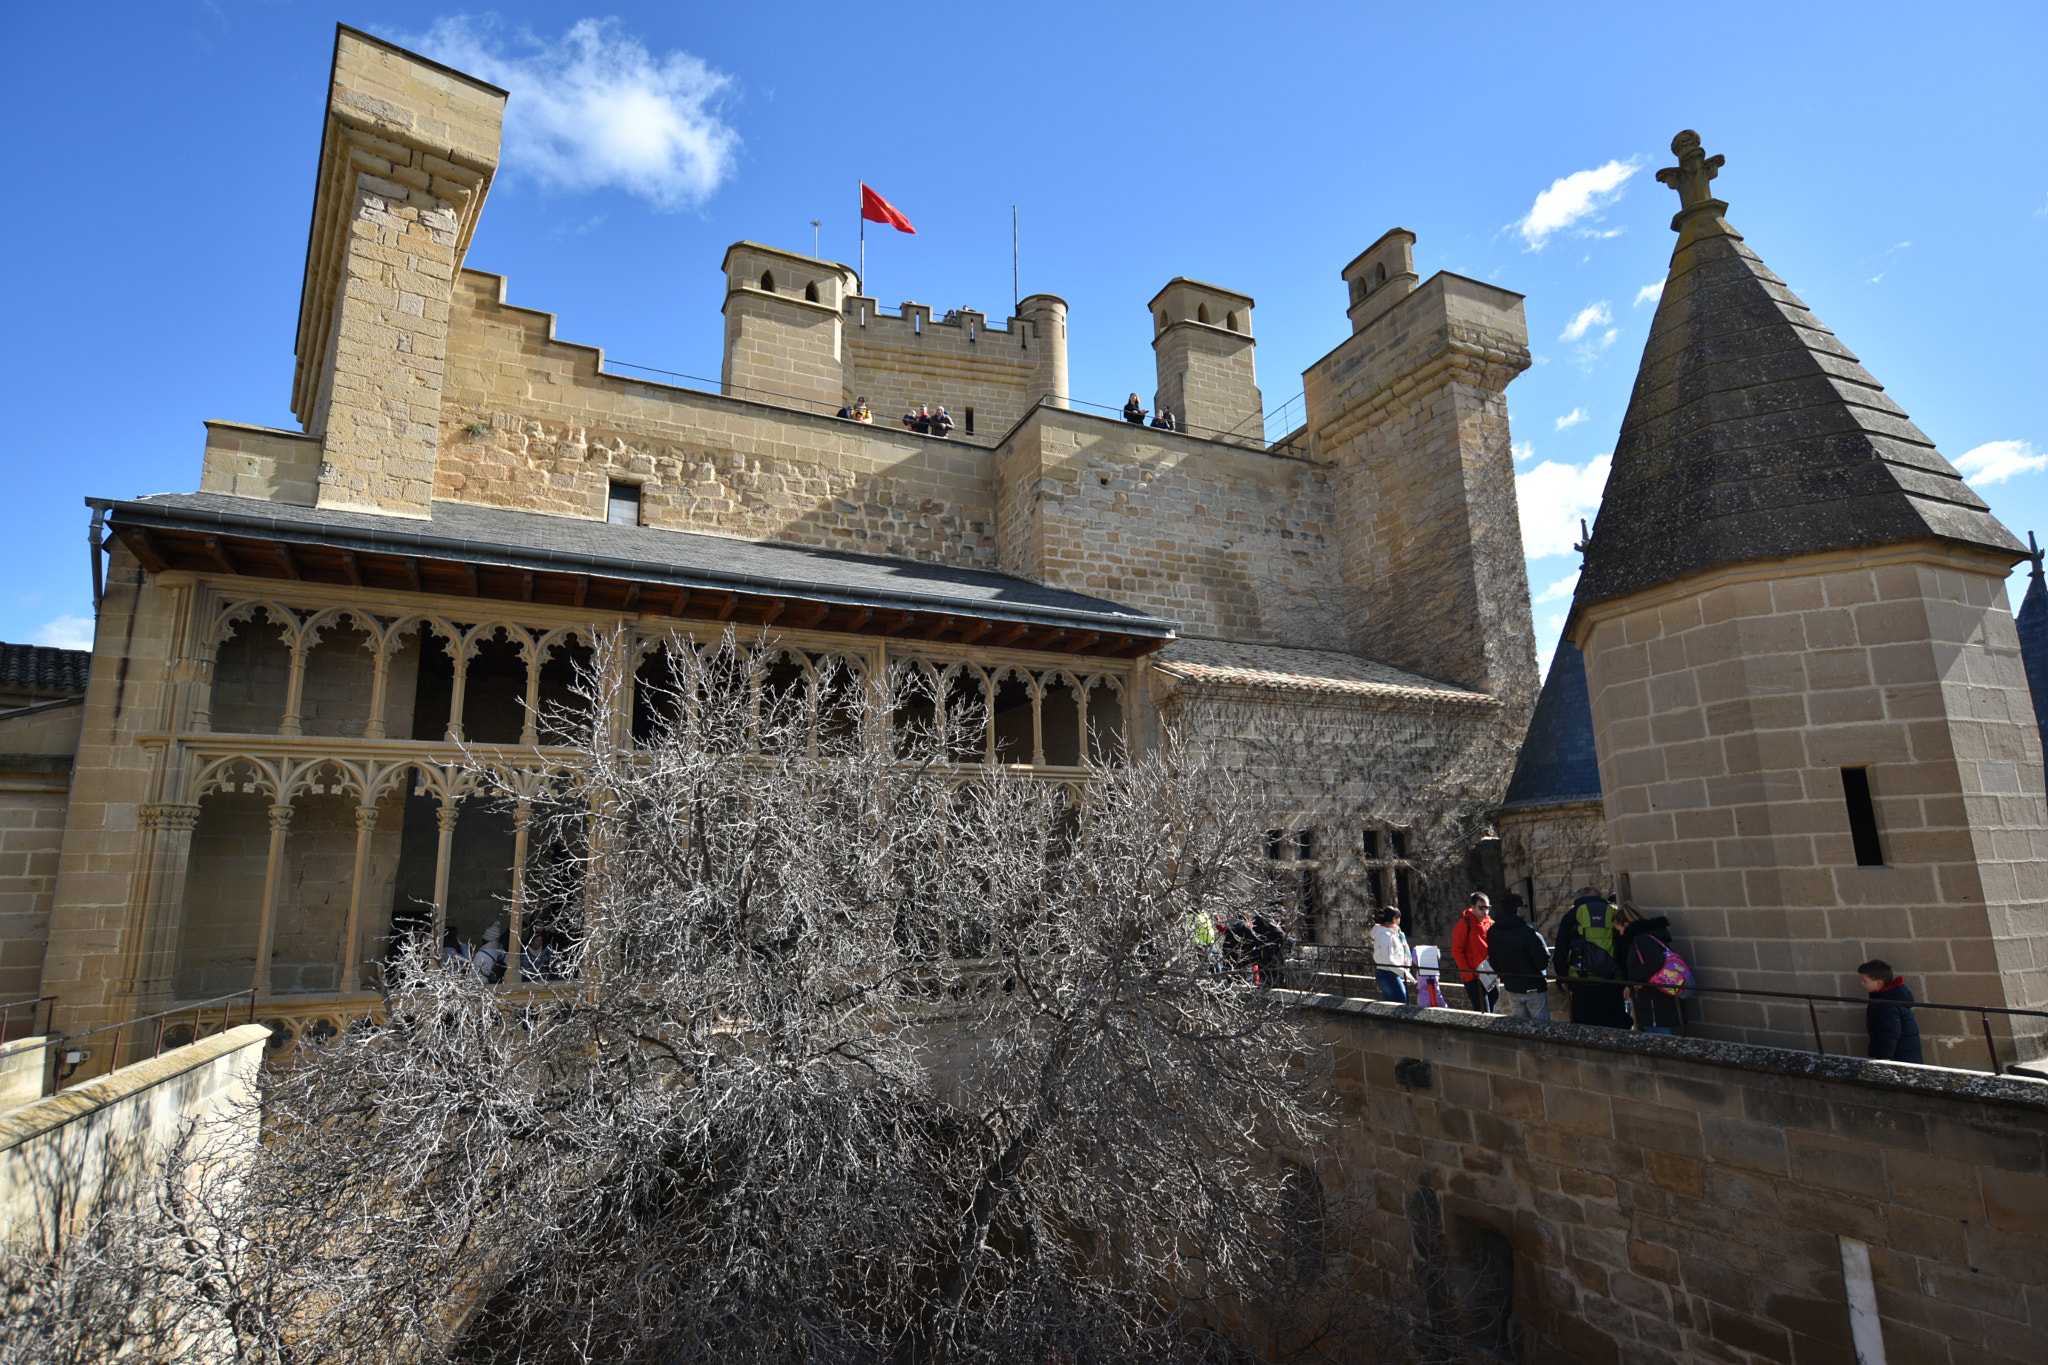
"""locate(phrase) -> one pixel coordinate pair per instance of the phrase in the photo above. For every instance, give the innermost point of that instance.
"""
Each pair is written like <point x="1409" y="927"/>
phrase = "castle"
<point x="1790" y="602"/>
<point x="289" y="658"/>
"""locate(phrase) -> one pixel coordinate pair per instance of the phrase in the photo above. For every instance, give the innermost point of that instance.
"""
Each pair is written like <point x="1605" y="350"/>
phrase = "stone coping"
<point x="1750" y="1057"/>
<point x="68" y="1106"/>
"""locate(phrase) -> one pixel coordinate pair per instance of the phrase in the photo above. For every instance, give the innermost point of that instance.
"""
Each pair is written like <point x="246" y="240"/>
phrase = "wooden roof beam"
<point x="351" y="568"/>
<point x="219" y="555"/>
<point x="146" y="549"/>
<point x="285" y="561"/>
<point x="936" y="629"/>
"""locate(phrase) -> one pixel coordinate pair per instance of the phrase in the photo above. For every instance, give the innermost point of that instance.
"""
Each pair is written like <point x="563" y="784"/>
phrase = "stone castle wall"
<point x="1727" y="710"/>
<point x="529" y="423"/>
<point x="1548" y="852"/>
<point x="1653" y="1201"/>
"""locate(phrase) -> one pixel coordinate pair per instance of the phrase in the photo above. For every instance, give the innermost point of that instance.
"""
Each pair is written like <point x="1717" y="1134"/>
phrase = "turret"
<point x="784" y="330"/>
<point x="1047" y="314"/>
<point x="1202" y="336"/>
<point x="1381" y="276"/>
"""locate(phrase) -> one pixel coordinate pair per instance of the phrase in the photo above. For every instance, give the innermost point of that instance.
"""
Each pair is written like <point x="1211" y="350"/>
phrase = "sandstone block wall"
<point x="95" y="1147"/>
<point x="1726" y="711"/>
<point x="780" y="349"/>
<point x="1232" y="544"/>
<point x="1549" y="852"/>
<point x="530" y="423"/>
<point x="1208" y="380"/>
<point x="37" y="745"/>
<point x="1667" y="1200"/>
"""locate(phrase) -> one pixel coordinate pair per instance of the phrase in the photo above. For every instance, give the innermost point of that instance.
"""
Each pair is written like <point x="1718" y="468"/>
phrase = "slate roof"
<point x="1322" y="671"/>
<point x="1754" y="434"/>
<point x="44" y="669"/>
<point x="1558" y="761"/>
<point x="531" y="540"/>
<point x="2032" y="620"/>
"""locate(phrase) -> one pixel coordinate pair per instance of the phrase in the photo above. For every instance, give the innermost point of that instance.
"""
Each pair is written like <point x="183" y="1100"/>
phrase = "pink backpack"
<point x="1674" y="976"/>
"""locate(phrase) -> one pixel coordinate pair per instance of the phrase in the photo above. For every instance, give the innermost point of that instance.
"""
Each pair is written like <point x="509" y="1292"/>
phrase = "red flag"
<point x="876" y="209"/>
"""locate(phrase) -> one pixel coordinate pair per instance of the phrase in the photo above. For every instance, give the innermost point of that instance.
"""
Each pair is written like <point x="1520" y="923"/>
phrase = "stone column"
<point x="366" y="826"/>
<point x="380" y="687"/>
<point x="273" y="877"/>
<point x="1037" y="725"/>
<point x="515" y="947"/>
<point x="294" y="694"/>
<point x="529" y="727"/>
<point x="445" y="818"/>
<point x="155" y="921"/>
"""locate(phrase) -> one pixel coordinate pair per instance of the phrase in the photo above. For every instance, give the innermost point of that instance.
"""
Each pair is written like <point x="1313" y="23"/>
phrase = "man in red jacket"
<point x="1468" y="950"/>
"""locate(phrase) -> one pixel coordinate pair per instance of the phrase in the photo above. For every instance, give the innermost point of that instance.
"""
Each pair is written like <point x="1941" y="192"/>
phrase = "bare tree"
<point x="855" y="1053"/>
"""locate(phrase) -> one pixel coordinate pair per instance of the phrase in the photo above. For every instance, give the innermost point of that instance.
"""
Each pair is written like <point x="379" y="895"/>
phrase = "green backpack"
<point x="1592" y="952"/>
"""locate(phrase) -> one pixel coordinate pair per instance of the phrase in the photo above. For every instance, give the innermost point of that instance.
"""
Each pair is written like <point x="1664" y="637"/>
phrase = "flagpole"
<point x="860" y="278"/>
<point x="1016" y="301"/>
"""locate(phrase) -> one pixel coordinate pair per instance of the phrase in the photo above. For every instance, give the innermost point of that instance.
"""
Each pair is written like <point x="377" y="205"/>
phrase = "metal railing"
<point x="1322" y="963"/>
<point x="163" y="1020"/>
<point x="815" y="407"/>
<point x="35" y="1008"/>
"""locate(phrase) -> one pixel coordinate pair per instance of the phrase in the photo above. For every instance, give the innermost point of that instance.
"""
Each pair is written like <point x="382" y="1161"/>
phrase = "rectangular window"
<point x="970" y="421"/>
<point x="1862" y="817"/>
<point x="624" y="505"/>
<point x="1372" y="843"/>
<point x="1376" y="883"/>
<point x="1401" y="891"/>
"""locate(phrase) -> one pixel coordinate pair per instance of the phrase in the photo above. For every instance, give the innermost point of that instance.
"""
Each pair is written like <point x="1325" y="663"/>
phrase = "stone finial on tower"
<point x="1382" y="275"/>
<point x="1208" y="378"/>
<point x="1693" y="178"/>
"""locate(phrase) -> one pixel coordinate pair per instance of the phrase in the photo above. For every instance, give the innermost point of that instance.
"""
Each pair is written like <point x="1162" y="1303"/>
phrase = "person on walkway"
<point x="1468" y="950"/>
<point x="1587" y="965"/>
<point x="1520" y="956"/>
<point x="1645" y="946"/>
<point x="1894" y="1032"/>
<point x="1393" y="961"/>
<point x="1241" y="947"/>
<point x="454" y="952"/>
<point x="1163" y="420"/>
<point x="1207" y="940"/>
<point x="491" y="959"/>
<point x="1272" y="951"/>
<point x="1134" y="411"/>
<point x="941" y="424"/>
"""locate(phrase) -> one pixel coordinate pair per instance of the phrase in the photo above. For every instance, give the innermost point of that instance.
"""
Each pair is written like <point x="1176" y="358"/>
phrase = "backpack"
<point x="1592" y="951"/>
<point x="1674" y="976"/>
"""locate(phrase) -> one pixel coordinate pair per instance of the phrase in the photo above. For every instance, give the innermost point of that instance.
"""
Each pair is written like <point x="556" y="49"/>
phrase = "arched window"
<point x="768" y="280"/>
<point x="1201" y="312"/>
<point x="1379" y="273"/>
<point x="1162" y="319"/>
<point x="1230" y="321"/>
<point x="811" y="291"/>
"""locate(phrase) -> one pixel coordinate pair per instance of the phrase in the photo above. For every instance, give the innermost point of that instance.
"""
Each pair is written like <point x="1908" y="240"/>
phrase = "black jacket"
<point x="1641" y="952"/>
<point x="1517" y="952"/>
<point x="1894" y="1032"/>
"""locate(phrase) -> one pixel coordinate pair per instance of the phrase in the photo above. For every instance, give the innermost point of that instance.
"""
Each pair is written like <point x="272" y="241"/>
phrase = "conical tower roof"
<point x="1558" y="761"/>
<point x="1753" y="433"/>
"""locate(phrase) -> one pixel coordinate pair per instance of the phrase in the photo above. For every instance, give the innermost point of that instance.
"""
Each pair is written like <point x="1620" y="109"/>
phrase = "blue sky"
<point x="1882" y="158"/>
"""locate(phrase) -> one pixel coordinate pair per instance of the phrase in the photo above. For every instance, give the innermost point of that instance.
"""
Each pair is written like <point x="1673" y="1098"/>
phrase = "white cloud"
<point x="1553" y="497"/>
<point x="1560" y="591"/>
<point x="1591" y="316"/>
<point x="1578" y="196"/>
<point x="596" y="110"/>
<point x="1571" y="419"/>
<point x="1649" y="293"/>
<point x="1997" y="461"/>
<point x="66" y="632"/>
<point x="1524" y="450"/>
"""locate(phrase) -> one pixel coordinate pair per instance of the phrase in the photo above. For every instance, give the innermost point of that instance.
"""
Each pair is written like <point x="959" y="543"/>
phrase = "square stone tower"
<point x="406" y="157"/>
<point x="1816" y="742"/>
<point x="785" y="326"/>
<point x="1202" y="336"/>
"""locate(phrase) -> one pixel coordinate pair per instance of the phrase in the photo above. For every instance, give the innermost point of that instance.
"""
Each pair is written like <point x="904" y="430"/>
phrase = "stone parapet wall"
<point x="259" y="462"/>
<point x="1727" y="709"/>
<point x="1666" y="1199"/>
<point x="96" y="1146"/>
<point x="899" y="361"/>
